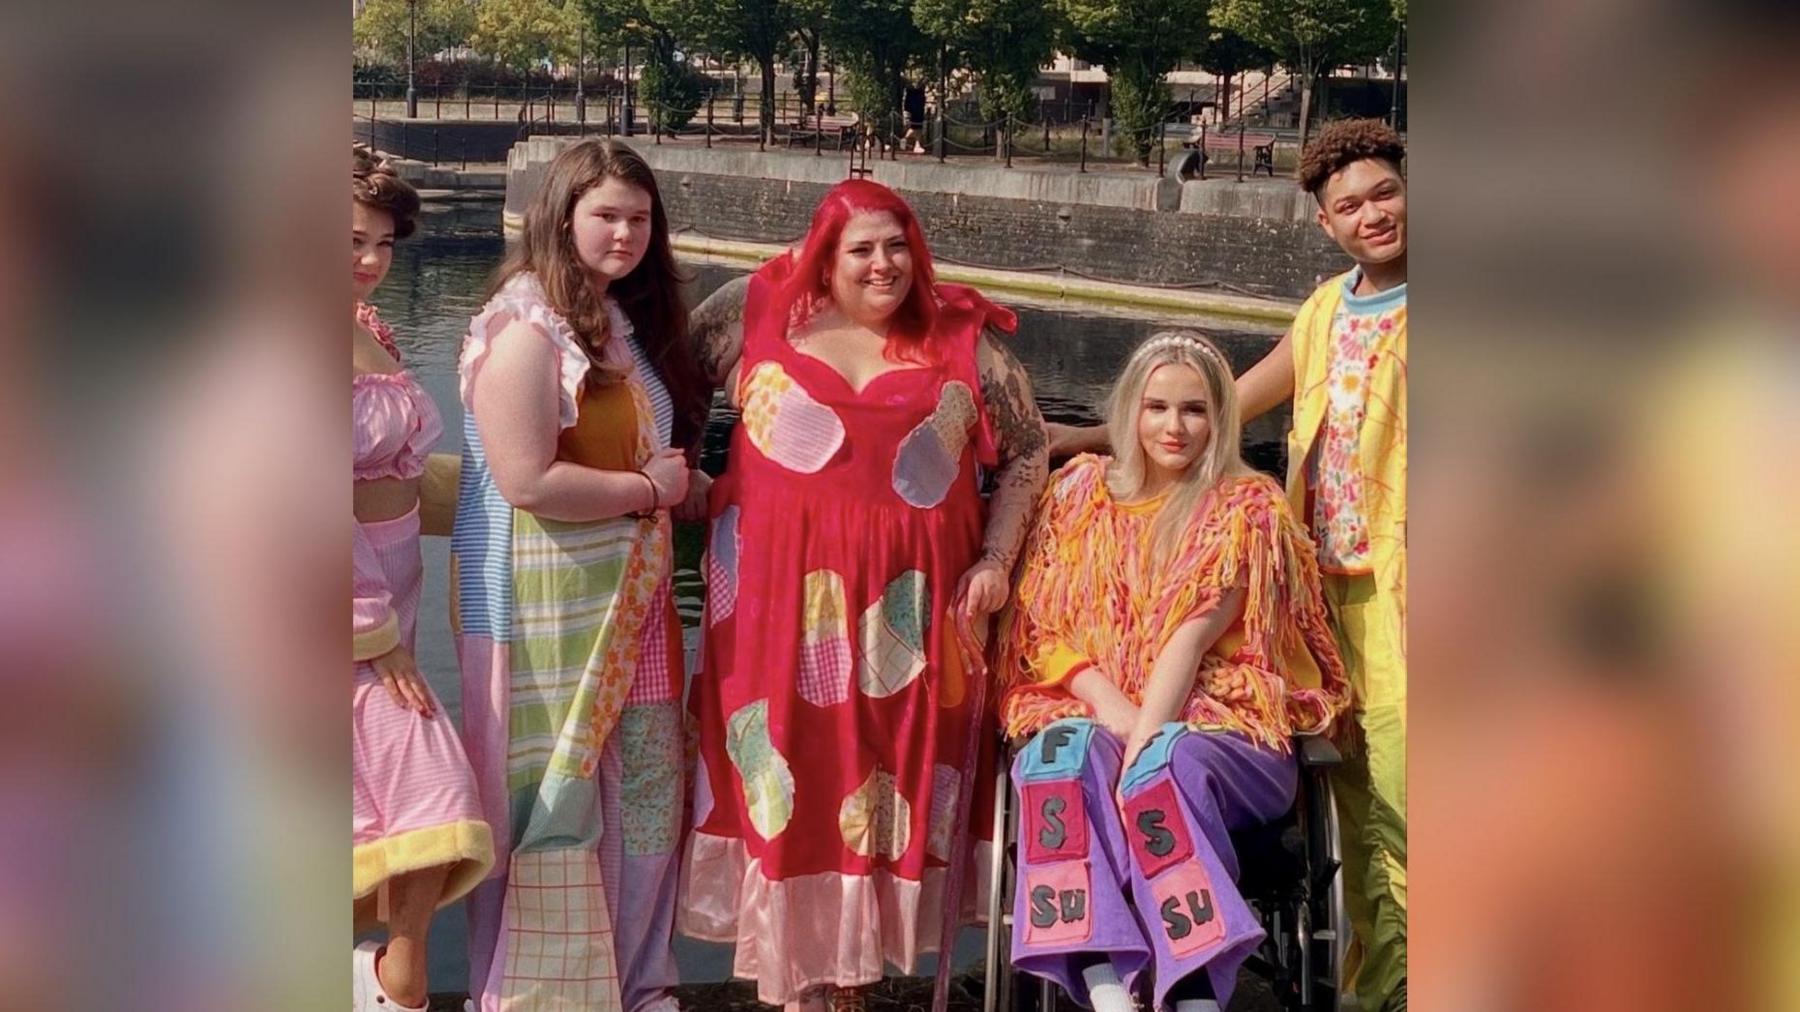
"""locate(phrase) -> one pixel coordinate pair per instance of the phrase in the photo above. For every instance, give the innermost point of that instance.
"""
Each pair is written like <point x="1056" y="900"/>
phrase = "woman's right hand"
<point x="1117" y="715"/>
<point x="400" y="674"/>
<point x="668" y="471"/>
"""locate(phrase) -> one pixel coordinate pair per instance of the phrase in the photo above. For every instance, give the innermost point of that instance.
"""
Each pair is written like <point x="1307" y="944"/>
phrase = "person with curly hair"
<point x="419" y="839"/>
<point x="1343" y="363"/>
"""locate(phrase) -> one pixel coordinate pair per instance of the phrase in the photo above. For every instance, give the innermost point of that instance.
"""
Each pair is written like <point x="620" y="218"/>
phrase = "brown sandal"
<point x="850" y="999"/>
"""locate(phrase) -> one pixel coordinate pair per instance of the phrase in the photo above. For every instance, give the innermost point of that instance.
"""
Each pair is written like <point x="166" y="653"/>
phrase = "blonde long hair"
<point x="1220" y="460"/>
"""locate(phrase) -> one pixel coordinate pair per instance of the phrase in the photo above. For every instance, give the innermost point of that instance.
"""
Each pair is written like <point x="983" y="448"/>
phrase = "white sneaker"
<point x="366" y="992"/>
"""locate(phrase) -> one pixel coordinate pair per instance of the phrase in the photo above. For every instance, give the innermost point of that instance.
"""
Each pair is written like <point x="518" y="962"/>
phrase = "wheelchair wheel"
<point x="1322" y="925"/>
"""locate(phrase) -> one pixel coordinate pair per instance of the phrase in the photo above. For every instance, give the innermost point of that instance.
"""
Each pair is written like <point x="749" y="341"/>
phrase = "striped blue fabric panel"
<point x="482" y="545"/>
<point x="661" y="404"/>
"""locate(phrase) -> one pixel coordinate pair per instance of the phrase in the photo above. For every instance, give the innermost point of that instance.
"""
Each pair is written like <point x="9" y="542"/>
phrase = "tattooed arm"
<point x="1024" y="466"/>
<point x="717" y="328"/>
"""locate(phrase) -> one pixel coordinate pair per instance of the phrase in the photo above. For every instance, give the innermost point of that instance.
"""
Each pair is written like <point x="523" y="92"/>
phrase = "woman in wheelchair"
<point x="1167" y="639"/>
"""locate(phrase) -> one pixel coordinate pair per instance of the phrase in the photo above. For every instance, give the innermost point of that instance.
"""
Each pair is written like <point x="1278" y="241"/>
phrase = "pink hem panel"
<point x="828" y="928"/>
<point x="486" y="676"/>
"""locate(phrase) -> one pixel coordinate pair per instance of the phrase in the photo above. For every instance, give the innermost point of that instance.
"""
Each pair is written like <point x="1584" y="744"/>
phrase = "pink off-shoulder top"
<point x="393" y="421"/>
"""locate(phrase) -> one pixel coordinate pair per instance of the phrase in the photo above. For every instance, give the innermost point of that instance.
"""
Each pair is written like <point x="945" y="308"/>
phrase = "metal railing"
<point x="726" y="118"/>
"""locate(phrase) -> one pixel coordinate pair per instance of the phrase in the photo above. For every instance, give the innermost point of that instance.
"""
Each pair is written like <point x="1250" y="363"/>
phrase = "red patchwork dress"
<point x="833" y="701"/>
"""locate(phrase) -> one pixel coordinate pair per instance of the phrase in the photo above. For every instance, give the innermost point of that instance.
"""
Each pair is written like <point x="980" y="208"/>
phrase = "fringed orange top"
<point x="1091" y="594"/>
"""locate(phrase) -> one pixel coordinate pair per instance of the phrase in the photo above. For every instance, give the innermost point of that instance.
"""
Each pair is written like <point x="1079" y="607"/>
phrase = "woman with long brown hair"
<point x="578" y="382"/>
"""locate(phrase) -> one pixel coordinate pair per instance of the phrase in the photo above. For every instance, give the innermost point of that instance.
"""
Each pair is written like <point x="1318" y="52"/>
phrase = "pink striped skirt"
<point x="414" y="799"/>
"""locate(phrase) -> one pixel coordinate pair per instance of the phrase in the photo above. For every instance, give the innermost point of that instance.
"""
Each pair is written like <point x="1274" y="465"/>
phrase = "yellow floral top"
<point x="1091" y="595"/>
<point x="1361" y="328"/>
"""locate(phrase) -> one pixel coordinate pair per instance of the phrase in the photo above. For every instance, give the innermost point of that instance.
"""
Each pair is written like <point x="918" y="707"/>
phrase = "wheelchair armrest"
<point x="1316" y="751"/>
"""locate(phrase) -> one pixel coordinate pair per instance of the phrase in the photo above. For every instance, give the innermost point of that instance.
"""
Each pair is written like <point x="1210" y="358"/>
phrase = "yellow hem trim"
<point x="468" y="845"/>
<point x="374" y="642"/>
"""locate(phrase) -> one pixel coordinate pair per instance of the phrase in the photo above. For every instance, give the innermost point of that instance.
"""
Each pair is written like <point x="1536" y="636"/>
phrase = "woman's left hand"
<point x="693" y="508"/>
<point x="982" y="589"/>
<point x="1140" y="736"/>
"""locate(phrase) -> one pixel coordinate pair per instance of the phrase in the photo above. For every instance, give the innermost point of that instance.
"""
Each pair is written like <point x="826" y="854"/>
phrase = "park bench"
<point x="1260" y="146"/>
<point x="802" y="135"/>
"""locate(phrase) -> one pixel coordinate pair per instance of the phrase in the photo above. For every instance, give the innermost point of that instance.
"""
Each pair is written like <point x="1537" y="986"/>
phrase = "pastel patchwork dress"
<point x="832" y="700"/>
<point x="1140" y="870"/>
<point x="571" y="663"/>
<point x="414" y="803"/>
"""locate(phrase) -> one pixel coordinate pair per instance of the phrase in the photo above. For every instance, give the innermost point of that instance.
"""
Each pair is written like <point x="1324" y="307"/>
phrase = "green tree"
<point x="759" y="29"/>
<point x="382" y="27"/>
<point x="525" y="34"/>
<point x="668" y="90"/>
<point x="1312" y="36"/>
<point x="803" y="56"/>
<point x="875" y="42"/>
<point x="1227" y="54"/>
<point x="1004" y="42"/>
<point x="670" y="94"/>
<point x="1138" y="42"/>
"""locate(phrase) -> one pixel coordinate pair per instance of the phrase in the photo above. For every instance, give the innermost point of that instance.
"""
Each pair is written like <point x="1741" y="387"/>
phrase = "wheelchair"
<point x="1288" y="873"/>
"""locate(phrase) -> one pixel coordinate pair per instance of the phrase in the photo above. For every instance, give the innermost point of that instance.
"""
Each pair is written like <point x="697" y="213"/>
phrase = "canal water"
<point x="1071" y="350"/>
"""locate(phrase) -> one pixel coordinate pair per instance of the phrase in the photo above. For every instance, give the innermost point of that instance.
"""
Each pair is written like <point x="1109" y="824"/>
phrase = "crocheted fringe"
<point x="1246" y="538"/>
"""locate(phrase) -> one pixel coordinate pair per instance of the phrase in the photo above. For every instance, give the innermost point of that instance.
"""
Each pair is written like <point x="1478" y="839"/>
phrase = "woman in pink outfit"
<point x="420" y="840"/>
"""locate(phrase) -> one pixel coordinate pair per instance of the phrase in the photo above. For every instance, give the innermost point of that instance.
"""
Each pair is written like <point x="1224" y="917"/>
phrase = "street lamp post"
<point x="412" y="39"/>
<point x="625" y="111"/>
<point x="580" y="75"/>
<point x="1399" y="58"/>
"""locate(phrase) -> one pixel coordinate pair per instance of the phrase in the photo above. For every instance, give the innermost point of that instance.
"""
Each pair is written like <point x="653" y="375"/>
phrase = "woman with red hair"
<point x="849" y="543"/>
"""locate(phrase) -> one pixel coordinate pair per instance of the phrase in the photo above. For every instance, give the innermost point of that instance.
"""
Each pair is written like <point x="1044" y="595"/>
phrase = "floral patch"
<point x="650" y="787"/>
<point x="824" y="676"/>
<point x="768" y="781"/>
<point x="930" y="457"/>
<point x="875" y="820"/>
<point x="786" y="423"/>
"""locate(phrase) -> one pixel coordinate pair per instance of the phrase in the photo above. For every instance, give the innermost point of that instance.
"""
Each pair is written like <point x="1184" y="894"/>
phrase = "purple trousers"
<point x="1139" y="871"/>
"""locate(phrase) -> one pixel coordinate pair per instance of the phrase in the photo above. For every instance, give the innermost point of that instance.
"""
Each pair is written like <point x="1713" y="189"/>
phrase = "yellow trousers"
<point x="1371" y="786"/>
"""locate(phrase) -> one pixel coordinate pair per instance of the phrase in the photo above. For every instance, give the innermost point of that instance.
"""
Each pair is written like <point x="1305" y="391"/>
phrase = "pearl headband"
<point x="1167" y="342"/>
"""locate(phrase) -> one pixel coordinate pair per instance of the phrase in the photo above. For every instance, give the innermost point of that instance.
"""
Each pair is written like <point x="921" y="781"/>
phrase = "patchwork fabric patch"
<point x="1058" y="752"/>
<point x="722" y="566"/>
<point x="768" y="781"/>
<point x="1189" y="919"/>
<point x="786" y="423"/>
<point x="875" y="820"/>
<point x="946" y="787"/>
<point x="1057" y="911"/>
<point x="1153" y="758"/>
<point x="893" y="637"/>
<point x="650" y="754"/>
<point x="1157" y="828"/>
<point x="559" y="935"/>
<point x="824" y="639"/>
<point x="929" y="458"/>
<point x="1056" y="821"/>
<point x="703" y="791"/>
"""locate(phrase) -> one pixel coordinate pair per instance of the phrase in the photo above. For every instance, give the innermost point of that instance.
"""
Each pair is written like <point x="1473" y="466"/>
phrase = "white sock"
<point x="1197" y="1005"/>
<point x="1105" y="990"/>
